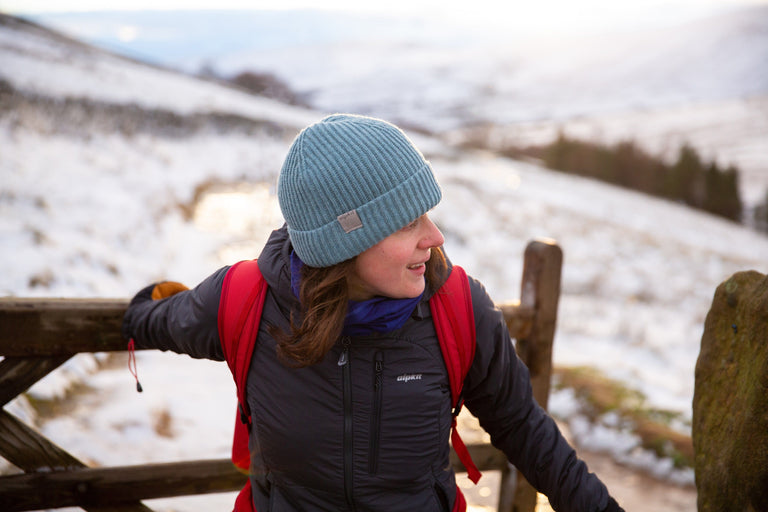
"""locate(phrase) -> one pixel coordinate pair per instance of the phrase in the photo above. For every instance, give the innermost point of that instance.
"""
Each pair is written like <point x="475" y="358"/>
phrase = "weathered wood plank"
<point x="41" y="327"/>
<point x="134" y="506"/>
<point x="519" y="318"/>
<point x="29" y="450"/>
<point x="104" y="486"/>
<point x="17" y="374"/>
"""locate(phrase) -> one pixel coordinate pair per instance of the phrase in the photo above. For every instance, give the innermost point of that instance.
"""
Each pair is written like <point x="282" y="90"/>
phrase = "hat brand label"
<point x="350" y="221"/>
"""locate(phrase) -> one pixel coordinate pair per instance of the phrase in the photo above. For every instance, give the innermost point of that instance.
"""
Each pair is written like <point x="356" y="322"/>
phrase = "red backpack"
<point x="242" y="301"/>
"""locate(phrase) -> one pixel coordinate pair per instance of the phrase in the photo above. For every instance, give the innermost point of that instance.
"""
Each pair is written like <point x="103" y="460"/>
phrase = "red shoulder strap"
<point x="240" y="308"/>
<point x="242" y="301"/>
<point x="454" y="322"/>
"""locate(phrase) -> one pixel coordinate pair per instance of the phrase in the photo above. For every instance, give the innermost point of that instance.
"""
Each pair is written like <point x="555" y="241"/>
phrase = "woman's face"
<point x="395" y="266"/>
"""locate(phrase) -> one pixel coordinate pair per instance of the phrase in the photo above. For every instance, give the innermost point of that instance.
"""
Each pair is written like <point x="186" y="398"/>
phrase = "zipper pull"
<point x="344" y="358"/>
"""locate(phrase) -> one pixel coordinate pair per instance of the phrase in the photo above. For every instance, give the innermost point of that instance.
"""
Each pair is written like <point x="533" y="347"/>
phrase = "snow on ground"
<point x="108" y="209"/>
<point x="638" y="273"/>
<point x="98" y="215"/>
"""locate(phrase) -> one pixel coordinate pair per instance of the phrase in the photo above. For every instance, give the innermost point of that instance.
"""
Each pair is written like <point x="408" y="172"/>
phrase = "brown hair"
<point x="325" y="296"/>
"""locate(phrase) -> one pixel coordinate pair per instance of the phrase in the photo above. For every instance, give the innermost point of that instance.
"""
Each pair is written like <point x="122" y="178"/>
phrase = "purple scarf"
<point x="379" y="314"/>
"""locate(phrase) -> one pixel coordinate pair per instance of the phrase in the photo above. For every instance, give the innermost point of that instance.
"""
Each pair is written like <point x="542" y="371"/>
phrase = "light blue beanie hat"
<point x="348" y="182"/>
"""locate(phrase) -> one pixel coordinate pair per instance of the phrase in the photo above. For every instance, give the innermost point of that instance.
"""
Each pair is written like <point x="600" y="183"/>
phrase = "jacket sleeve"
<point x="186" y="323"/>
<point x="498" y="391"/>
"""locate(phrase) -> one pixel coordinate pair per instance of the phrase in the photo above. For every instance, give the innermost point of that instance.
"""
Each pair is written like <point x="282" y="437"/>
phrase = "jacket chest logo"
<point x="407" y="377"/>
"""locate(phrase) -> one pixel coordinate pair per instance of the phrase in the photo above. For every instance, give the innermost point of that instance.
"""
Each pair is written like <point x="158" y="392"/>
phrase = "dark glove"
<point x="155" y="291"/>
<point x="151" y="293"/>
<point x="612" y="506"/>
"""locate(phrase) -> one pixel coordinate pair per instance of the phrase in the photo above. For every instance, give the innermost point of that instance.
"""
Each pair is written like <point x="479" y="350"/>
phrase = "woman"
<point x="349" y="278"/>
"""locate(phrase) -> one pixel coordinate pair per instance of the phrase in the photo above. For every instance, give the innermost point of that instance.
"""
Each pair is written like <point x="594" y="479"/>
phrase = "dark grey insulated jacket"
<point x="367" y="428"/>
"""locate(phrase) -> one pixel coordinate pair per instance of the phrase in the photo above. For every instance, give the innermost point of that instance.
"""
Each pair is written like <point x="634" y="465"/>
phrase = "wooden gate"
<point x="38" y="335"/>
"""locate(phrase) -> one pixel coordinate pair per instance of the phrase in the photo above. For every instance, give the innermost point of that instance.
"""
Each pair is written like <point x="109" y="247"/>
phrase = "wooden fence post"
<point x="540" y="291"/>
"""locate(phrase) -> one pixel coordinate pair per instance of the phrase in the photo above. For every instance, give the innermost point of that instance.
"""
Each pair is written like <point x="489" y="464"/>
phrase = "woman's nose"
<point x="432" y="236"/>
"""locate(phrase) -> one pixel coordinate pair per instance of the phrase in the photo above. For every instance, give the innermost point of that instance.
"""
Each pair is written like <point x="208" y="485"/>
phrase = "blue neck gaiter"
<point x="379" y="314"/>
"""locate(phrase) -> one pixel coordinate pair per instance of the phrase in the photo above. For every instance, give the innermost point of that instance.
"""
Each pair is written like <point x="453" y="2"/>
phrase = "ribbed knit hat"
<point x="348" y="182"/>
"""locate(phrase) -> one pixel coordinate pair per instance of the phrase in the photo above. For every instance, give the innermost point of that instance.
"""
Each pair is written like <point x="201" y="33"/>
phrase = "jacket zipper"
<point x="375" y="430"/>
<point x="346" y="374"/>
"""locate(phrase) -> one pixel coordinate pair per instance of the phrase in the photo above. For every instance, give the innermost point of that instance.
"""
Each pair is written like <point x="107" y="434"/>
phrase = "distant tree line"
<point x="258" y="83"/>
<point x="702" y="185"/>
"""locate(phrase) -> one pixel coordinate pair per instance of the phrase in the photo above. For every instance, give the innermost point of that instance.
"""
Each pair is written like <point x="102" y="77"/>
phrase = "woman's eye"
<point x="412" y="225"/>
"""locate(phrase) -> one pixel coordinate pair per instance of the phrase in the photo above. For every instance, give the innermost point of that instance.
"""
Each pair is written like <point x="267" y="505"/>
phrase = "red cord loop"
<point x="132" y="364"/>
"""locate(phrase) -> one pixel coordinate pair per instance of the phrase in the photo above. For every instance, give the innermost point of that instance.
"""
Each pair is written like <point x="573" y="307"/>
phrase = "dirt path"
<point x="638" y="492"/>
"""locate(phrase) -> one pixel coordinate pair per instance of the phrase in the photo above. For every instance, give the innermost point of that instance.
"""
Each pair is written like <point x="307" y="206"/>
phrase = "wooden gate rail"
<point x="38" y="335"/>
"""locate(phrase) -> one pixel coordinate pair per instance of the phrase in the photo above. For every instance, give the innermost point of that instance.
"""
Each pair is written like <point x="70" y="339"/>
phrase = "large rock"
<point x="730" y="401"/>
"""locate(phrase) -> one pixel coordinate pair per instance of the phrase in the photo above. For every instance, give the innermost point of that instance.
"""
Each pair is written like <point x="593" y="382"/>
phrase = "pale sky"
<point x="555" y="8"/>
<point x="581" y="15"/>
<point x="34" y="6"/>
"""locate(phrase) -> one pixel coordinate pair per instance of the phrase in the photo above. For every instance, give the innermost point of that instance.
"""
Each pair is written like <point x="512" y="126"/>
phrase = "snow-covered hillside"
<point x="458" y="78"/>
<point x="703" y="82"/>
<point x="662" y="79"/>
<point x="102" y="161"/>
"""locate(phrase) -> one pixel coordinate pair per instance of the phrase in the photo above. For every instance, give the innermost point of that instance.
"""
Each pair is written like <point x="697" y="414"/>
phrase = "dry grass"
<point x="163" y="423"/>
<point x="601" y="395"/>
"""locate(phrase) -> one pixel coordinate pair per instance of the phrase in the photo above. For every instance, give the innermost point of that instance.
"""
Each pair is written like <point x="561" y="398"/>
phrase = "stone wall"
<point x="730" y="403"/>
